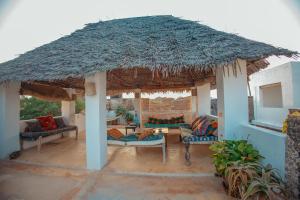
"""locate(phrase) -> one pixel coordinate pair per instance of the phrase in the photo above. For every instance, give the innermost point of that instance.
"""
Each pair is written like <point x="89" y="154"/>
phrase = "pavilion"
<point x="142" y="54"/>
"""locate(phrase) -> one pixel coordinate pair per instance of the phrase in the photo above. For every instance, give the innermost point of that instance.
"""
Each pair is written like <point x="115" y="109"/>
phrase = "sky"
<point x="27" y="24"/>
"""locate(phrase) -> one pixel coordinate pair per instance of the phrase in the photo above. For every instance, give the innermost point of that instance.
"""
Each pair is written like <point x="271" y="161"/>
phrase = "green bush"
<point x="228" y="151"/>
<point x="32" y="107"/>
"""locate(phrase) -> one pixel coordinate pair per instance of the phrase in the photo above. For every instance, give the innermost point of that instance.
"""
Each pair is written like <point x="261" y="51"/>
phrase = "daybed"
<point x="33" y="131"/>
<point x="132" y="140"/>
<point x="208" y="135"/>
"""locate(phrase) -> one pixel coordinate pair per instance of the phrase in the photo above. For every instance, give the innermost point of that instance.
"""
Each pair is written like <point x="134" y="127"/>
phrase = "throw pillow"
<point x="33" y="126"/>
<point x="194" y="121"/>
<point x="60" y="122"/>
<point x="145" y="133"/>
<point x="47" y="122"/>
<point x="196" y="124"/>
<point x="201" y="128"/>
<point x="115" y="133"/>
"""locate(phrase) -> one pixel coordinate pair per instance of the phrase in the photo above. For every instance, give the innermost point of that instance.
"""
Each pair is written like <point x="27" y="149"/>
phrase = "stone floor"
<point x="58" y="172"/>
<point x="28" y="181"/>
<point x="67" y="152"/>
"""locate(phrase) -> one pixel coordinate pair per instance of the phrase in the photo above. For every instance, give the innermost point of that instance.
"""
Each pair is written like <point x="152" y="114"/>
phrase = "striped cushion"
<point x="200" y="138"/>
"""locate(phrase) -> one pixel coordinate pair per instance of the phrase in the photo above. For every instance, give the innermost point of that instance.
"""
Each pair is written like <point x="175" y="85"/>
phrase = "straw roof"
<point x="151" y="53"/>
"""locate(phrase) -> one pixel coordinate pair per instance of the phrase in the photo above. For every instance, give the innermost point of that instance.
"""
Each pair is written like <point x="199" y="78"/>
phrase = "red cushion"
<point x="47" y="122"/>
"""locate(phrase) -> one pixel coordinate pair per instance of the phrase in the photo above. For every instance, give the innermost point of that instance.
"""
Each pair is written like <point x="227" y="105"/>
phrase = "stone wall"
<point x="293" y="157"/>
<point x="166" y="108"/>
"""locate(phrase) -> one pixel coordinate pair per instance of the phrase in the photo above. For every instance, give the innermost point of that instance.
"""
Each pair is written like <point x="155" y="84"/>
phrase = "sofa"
<point x="32" y="132"/>
<point x="192" y="137"/>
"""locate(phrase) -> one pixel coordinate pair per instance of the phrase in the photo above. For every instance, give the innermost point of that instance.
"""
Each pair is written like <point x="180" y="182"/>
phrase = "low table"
<point x="167" y="131"/>
<point x="130" y="127"/>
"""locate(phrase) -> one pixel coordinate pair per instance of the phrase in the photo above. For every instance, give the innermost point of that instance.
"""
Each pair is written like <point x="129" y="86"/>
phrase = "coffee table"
<point x="167" y="131"/>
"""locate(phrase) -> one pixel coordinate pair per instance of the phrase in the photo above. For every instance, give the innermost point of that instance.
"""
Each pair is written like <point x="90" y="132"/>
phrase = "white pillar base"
<point x="232" y="100"/>
<point x="9" y="119"/>
<point x="96" y="136"/>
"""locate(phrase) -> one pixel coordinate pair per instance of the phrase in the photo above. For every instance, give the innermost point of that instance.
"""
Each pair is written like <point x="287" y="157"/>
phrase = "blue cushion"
<point x="133" y="137"/>
<point x="195" y="138"/>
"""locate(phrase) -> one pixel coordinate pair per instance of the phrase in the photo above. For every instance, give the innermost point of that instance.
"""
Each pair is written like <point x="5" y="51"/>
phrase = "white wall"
<point x="9" y="118"/>
<point x="270" y="144"/>
<point x="288" y="75"/>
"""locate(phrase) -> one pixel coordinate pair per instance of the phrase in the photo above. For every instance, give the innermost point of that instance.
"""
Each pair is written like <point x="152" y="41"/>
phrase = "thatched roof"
<point x="152" y="46"/>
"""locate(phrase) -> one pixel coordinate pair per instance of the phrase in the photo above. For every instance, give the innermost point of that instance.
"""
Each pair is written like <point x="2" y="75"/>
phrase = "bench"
<point x="39" y="135"/>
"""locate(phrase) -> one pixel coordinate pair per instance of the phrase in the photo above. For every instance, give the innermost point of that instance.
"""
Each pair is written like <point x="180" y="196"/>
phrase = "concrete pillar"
<point x="203" y="99"/>
<point x="138" y="106"/>
<point x="95" y="108"/>
<point x="68" y="111"/>
<point x="232" y="99"/>
<point x="194" y="106"/>
<point x="9" y="119"/>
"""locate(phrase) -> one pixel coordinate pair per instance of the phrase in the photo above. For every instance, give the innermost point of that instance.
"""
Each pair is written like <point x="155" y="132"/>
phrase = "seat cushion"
<point x="33" y="126"/>
<point x="195" y="139"/>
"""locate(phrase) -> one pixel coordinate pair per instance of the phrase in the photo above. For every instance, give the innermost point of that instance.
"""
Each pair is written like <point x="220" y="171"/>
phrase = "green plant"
<point x="238" y="175"/>
<point x="229" y="150"/>
<point x="124" y="113"/>
<point x="79" y="106"/>
<point x="267" y="185"/>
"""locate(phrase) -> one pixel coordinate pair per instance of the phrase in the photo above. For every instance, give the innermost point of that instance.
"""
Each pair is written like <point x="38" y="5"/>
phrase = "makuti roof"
<point x="165" y="43"/>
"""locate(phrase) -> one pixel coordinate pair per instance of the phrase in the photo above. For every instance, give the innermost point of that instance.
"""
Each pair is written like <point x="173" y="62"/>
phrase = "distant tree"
<point x="32" y="107"/>
<point x="79" y="106"/>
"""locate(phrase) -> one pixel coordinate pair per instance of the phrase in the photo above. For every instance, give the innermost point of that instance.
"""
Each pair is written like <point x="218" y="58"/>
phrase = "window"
<point x="271" y="95"/>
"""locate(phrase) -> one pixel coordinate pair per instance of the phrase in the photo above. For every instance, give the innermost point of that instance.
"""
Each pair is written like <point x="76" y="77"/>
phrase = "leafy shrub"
<point x="228" y="151"/>
<point x="124" y="113"/>
<point x="266" y="185"/>
<point x="32" y="107"/>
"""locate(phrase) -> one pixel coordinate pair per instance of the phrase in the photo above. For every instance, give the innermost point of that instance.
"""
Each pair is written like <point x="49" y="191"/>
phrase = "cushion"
<point x="194" y="121"/>
<point x="186" y="132"/>
<point x="196" y="124"/>
<point x="145" y="134"/>
<point x="47" y="122"/>
<point x="115" y="133"/>
<point x="201" y="128"/>
<point x="60" y="122"/>
<point x="33" y="126"/>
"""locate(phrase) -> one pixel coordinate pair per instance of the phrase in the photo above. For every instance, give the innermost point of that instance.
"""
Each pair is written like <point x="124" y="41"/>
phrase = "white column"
<point x="232" y="100"/>
<point x="68" y="111"/>
<point x="194" y="107"/>
<point x="95" y="108"/>
<point x="137" y="106"/>
<point x="204" y="100"/>
<point x="9" y="119"/>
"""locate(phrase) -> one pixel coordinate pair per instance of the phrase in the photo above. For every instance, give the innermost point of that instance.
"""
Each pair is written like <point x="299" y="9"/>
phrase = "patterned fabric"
<point x="201" y="128"/>
<point x="145" y="134"/>
<point x="132" y="137"/>
<point x="148" y="125"/>
<point x="210" y="130"/>
<point x="33" y="126"/>
<point x="195" y="121"/>
<point x="60" y="122"/>
<point x="196" y="124"/>
<point x="199" y="138"/>
<point x="115" y="133"/>
<point x="47" y="122"/>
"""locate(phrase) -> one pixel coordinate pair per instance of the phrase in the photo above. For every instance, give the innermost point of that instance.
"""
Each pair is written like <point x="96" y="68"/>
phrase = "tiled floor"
<point x="26" y="181"/>
<point x="58" y="172"/>
<point x="68" y="152"/>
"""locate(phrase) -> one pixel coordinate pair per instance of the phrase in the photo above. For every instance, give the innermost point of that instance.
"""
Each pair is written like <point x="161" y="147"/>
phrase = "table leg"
<point x="126" y="131"/>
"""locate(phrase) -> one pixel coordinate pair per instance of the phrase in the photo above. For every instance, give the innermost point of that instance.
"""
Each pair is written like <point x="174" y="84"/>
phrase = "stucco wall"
<point x="288" y="75"/>
<point x="270" y="144"/>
